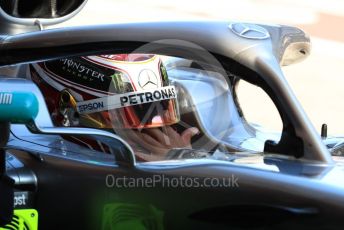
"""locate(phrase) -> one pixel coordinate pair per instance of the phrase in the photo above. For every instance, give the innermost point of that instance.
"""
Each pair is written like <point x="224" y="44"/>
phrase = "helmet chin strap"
<point x="67" y="108"/>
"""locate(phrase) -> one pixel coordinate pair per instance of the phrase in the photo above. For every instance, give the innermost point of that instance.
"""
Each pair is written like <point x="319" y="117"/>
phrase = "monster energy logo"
<point x="82" y="69"/>
<point x="6" y="98"/>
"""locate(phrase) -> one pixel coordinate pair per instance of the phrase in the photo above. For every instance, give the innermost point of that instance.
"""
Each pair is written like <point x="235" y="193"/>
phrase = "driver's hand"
<point x="159" y="142"/>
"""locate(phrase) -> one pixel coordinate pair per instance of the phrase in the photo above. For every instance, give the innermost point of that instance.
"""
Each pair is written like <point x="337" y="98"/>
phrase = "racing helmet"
<point x="122" y="91"/>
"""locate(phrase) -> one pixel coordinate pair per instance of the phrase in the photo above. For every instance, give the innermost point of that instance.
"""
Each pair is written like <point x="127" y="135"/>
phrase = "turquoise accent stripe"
<point x="18" y="107"/>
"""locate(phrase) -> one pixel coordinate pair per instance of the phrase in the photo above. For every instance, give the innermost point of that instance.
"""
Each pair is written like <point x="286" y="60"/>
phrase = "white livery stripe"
<point x="6" y="98"/>
<point x="126" y="99"/>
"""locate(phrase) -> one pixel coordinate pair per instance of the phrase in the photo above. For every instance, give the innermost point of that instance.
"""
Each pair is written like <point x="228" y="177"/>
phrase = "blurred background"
<point x="317" y="81"/>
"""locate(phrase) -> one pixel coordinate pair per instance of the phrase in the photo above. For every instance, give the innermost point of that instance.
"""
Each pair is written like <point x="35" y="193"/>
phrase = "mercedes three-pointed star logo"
<point x="148" y="79"/>
<point x="250" y="31"/>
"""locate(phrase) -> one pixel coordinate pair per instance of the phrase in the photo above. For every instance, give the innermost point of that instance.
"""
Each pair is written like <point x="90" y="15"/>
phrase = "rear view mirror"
<point x="18" y="16"/>
<point x="18" y="107"/>
<point x="40" y="8"/>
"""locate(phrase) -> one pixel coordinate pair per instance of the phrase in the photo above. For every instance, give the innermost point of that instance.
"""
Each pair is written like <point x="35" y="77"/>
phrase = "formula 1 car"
<point x="85" y="111"/>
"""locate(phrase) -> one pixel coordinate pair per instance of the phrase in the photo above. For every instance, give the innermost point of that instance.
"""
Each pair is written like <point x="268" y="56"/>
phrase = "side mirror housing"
<point x="17" y="16"/>
<point x="39" y="8"/>
<point x="18" y="107"/>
